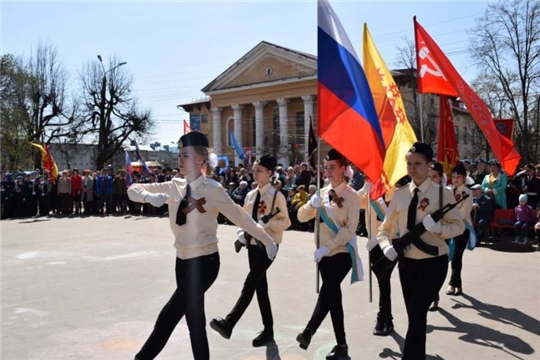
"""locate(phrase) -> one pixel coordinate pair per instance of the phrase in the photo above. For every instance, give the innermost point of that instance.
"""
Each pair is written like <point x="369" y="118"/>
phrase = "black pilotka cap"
<point x="333" y="154"/>
<point x="437" y="166"/>
<point x="193" y="138"/>
<point x="268" y="162"/>
<point x="424" y="149"/>
<point x="459" y="169"/>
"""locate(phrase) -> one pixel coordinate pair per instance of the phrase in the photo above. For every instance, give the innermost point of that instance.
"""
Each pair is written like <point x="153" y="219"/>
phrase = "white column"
<point x="216" y="121"/>
<point x="283" y="132"/>
<point x="308" y="113"/>
<point x="259" y="127"/>
<point x="237" y="130"/>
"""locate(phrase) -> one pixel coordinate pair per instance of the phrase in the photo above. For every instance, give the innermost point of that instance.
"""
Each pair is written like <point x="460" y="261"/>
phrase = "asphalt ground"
<point x="91" y="288"/>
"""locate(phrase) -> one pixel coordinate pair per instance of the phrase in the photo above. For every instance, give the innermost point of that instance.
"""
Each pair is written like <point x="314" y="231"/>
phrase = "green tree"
<point x="14" y="88"/>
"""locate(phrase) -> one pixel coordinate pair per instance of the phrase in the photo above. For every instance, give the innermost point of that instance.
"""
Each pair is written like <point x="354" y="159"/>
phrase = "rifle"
<point x="413" y="237"/>
<point x="265" y="219"/>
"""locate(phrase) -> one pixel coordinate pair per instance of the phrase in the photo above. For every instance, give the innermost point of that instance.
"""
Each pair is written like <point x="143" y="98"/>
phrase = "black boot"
<point x="222" y="327"/>
<point x="263" y="338"/>
<point x="304" y="338"/>
<point x="383" y="328"/>
<point x="338" y="352"/>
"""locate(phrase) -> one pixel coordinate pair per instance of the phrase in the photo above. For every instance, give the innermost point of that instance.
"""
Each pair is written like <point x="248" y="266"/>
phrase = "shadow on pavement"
<point x="272" y="351"/>
<point x="34" y="221"/>
<point x="504" y="315"/>
<point x="389" y="353"/>
<point x="484" y="336"/>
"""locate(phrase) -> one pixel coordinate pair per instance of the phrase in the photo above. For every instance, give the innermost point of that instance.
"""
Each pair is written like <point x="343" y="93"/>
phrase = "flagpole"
<point x="421" y="112"/>
<point x="317" y="217"/>
<point x="368" y="226"/>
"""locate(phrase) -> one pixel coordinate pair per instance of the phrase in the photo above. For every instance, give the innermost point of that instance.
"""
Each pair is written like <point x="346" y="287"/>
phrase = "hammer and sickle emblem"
<point x="435" y="71"/>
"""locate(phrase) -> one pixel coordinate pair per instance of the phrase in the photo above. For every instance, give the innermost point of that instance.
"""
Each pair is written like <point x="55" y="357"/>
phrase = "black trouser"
<point x="255" y="282"/>
<point x="333" y="270"/>
<point x="421" y="280"/>
<point x="193" y="278"/>
<point x="385" y="301"/>
<point x="457" y="261"/>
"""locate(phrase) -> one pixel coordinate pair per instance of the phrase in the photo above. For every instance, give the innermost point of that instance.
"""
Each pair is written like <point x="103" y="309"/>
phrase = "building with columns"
<point x="266" y="99"/>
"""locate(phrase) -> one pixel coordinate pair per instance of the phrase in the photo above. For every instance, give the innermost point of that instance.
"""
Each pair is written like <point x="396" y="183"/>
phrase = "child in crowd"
<point x="525" y="217"/>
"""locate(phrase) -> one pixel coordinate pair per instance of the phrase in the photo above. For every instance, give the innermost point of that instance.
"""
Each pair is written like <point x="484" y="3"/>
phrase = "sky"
<point x="174" y="48"/>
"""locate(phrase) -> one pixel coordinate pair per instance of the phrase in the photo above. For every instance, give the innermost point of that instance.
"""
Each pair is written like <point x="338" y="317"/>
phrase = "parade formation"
<point x="379" y="189"/>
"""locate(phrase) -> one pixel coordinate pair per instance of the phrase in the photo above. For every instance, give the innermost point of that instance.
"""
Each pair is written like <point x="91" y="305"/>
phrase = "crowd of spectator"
<point x="30" y="194"/>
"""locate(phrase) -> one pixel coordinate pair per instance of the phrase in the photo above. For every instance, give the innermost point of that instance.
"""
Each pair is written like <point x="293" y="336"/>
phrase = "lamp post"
<point x="104" y="83"/>
<point x="103" y="104"/>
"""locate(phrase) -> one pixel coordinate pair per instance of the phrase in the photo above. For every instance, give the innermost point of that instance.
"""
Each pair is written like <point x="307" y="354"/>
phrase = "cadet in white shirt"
<point x="340" y="211"/>
<point x="262" y="202"/>
<point x="421" y="274"/>
<point x="194" y="204"/>
<point x="459" y="190"/>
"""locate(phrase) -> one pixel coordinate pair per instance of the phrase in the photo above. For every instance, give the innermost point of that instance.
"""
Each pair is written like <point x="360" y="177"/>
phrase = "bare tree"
<point x="49" y="112"/>
<point x="505" y="43"/>
<point x="111" y="115"/>
<point x="406" y="77"/>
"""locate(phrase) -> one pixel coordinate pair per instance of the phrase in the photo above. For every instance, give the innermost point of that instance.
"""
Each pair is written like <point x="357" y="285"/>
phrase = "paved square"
<point x="91" y="288"/>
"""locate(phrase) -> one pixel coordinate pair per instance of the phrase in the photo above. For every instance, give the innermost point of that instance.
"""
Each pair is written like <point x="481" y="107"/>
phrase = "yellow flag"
<point x="47" y="161"/>
<point x="397" y="132"/>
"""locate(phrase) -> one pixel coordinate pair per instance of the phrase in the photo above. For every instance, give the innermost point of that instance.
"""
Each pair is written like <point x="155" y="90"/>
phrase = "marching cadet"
<point x="194" y="204"/>
<point x="377" y="209"/>
<point x="421" y="275"/>
<point x="338" y="208"/>
<point x="459" y="190"/>
<point x="262" y="202"/>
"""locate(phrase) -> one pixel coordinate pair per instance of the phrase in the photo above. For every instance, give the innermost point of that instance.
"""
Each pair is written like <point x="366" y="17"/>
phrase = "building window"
<point x="457" y="133"/>
<point x="204" y="119"/>
<point x="465" y="135"/>
<point x="195" y="122"/>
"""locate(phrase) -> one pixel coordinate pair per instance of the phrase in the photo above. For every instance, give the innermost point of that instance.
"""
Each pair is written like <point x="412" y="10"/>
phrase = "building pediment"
<point x="266" y="63"/>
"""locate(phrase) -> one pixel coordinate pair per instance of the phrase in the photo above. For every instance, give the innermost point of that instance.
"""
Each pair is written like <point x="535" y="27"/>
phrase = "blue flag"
<point x="129" y="169"/>
<point x="237" y="148"/>
<point x="146" y="170"/>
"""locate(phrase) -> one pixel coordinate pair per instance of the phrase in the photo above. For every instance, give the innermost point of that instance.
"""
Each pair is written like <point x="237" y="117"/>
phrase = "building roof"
<point x="307" y="65"/>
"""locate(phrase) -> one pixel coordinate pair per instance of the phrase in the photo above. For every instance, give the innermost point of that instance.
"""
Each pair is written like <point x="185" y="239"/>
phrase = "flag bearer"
<point x="338" y="208"/>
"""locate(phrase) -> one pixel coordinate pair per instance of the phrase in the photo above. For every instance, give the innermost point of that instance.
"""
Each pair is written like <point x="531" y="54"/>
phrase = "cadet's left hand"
<point x="320" y="253"/>
<point x="263" y="224"/>
<point x="372" y="242"/>
<point x="271" y="250"/>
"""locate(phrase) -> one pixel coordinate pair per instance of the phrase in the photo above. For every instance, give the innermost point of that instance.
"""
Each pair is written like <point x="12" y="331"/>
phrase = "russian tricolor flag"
<point x="347" y="117"/>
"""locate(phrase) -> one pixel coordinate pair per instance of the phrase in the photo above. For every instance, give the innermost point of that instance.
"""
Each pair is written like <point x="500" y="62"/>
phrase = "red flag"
<point x="437" y="74"/>
<point x="505" y="127"/>
<point x="447" y="148"/>
<point x="187" y="129"/>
